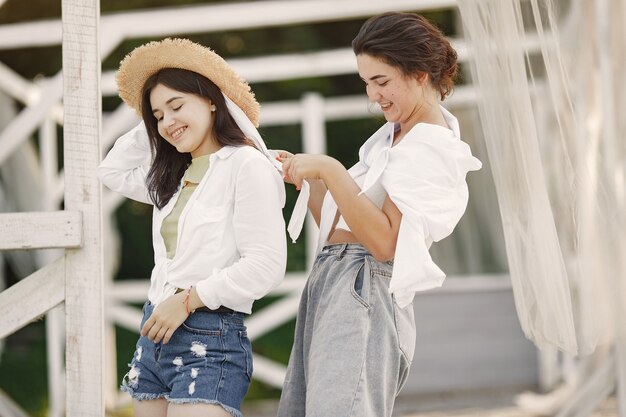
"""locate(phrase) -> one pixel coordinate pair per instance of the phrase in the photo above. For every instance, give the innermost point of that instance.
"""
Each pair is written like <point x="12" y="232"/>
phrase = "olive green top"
<point x="169" y="228"/>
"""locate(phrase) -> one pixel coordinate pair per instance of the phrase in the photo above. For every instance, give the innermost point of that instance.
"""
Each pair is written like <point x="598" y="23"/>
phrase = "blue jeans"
<point x="207" y="360"/>
<point x="353" y="345"/>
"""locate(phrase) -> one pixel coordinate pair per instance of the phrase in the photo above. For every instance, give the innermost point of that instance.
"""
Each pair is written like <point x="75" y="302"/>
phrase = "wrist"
<point x="194" y="300"/>
<point x="331" y="168"/>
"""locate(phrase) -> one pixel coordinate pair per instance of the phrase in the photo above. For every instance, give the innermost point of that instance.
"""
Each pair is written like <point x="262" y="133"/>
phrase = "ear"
<point x="422" y="78"/>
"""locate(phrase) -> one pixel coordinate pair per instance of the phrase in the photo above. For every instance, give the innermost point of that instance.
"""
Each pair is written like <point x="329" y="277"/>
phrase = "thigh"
<point x="196" y="410"/>
<point x="150" y="408"/>
<point x="337" y="349"/>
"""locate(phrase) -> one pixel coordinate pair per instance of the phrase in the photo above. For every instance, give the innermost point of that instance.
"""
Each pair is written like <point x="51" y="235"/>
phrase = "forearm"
<point x="126" y="165"/>
<point x="369" y="224"/>
<point x="316" y="198"/>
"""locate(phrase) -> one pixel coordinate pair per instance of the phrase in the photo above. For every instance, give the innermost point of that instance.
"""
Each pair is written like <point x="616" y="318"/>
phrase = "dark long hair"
<point x="169" y="165"/>
<point x="412" y="44"/>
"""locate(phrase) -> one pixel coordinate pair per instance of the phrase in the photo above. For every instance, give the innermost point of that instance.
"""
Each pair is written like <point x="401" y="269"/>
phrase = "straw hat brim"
<point x="148" y="59"/>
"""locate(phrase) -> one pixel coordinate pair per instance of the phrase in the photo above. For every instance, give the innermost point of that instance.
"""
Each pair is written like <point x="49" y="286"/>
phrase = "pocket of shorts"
<point x="360" y="286"/>
<point x="246" y="346"/>
<point x="196" y="324"/>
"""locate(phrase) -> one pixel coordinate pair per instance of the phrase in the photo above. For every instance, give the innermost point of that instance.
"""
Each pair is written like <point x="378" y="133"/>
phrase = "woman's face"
<point x="184" y="120"/>
<point x="399" y="96"/>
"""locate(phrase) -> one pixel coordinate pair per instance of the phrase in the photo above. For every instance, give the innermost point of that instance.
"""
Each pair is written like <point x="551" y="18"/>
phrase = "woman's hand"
<point x="165" y="319"/>
<point x="301" y="167"/>
<point x="282" y="157"/>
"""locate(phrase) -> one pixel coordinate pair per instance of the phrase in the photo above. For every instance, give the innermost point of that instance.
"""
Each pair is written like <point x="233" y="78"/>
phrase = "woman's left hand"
<point x="302" y="166"/>
<point x="165" y="319"/>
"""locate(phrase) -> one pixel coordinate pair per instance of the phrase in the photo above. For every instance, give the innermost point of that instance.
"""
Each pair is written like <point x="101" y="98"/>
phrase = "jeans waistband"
<point x="345" y="248"/>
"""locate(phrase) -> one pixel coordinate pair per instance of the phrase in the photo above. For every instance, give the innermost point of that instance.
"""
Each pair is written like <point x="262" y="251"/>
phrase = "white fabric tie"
<point x="251" y="132"/>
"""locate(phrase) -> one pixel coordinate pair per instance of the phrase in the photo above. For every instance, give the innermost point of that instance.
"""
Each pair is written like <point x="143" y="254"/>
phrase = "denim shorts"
<point x="353" y="344"/>
<point x="207" y="360"/>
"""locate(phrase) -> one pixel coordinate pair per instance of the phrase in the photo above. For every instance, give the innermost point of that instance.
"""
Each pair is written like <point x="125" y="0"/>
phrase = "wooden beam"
<point x="30" y="118"/>
<point x="84" y="307"/>
<point x="40" y="230"/>
<point x="31" y="297"/>
<point x="8" y="407"/>
<point x="170" y="21"/>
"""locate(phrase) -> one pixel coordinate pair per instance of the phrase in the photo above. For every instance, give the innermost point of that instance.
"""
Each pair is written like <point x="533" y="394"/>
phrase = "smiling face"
<point x="184" y="120"/>
<point x="400" y="97"/>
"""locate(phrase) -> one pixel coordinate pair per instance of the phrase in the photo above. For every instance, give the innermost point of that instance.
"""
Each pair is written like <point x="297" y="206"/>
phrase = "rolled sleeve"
<point x="260" y="239"/>
<point x="126" y="166"/>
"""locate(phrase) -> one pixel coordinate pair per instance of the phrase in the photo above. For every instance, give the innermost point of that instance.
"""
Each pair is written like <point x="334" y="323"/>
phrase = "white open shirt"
<point x="424" y="175"/>
<point x="231" y="234"/>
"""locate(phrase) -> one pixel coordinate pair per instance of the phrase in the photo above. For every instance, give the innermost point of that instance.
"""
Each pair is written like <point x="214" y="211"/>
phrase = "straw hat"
<point x="146" y="60"/>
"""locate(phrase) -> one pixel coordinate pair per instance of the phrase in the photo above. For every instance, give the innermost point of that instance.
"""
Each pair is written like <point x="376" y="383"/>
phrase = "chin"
<point x="390" y="118"/>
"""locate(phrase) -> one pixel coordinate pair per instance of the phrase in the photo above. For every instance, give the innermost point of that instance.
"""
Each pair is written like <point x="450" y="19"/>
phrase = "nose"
<point x="168" y="119"/>
<point x="372" y="93"/>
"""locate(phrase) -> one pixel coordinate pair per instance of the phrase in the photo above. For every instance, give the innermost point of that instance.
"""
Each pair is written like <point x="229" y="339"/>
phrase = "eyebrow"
<point x="167" y="102"/>
<point x="375" y="77"/>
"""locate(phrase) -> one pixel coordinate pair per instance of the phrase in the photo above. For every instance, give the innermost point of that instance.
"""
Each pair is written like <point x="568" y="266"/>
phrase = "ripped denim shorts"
<point x="207" y="360"/>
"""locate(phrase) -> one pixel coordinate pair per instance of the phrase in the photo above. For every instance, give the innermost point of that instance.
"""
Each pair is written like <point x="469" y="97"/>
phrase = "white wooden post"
<point x="314" y="141"/>
<point x="84" y="284"/>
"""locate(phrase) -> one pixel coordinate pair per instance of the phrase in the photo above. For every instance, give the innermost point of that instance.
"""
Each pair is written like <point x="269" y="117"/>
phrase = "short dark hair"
<point x="411" y="43"/>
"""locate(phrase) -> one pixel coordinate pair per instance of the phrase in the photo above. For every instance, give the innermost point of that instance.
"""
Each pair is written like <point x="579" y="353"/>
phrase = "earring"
<point x="213" y="108"/>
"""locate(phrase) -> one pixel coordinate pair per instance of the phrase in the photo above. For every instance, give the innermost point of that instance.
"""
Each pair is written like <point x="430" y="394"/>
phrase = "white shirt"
<point x="424" y="175"/>
<point x="231" y="239"/>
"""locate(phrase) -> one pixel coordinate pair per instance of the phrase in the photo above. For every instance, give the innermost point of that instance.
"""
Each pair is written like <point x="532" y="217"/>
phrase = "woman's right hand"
<point x="282" y="157"/>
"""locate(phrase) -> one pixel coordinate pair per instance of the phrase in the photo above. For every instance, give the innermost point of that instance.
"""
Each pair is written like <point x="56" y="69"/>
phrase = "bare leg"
<point x="196" y="410"/>
<point x="150" y="408"/>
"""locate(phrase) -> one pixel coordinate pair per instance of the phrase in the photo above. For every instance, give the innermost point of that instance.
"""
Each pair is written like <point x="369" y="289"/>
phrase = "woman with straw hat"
<point x="218" y="231"/>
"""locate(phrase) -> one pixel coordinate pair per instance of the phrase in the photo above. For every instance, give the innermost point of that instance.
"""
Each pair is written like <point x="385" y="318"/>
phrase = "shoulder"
<point x="239" y="155"/>
<point x="433" y="152"/>
<point x="247" y="162"/>
<point x="249" y="156"/>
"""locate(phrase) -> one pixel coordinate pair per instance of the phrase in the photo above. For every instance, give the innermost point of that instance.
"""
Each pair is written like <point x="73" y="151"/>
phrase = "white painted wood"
<point x="313" y="142"/>
<point x="25" y="91"/>
<point x="549" y="369"/>
<point x="8" y="407"/>
<point x="17" y="87"/>
<point x="272" y="316"/>
<point x="269" y="371"/>
<point x="37" y="230"/>
<point x="48" y="157"/>
<point x="293" y="66"/>
<point x="213" y="18"/>
<point x="31" y="297"/>
<point x="55" y="353"/>
<point x="84" y="275"/>
<point x="25" y="123"/>
<point x="593" y="390"/>
<point x="125" y="316"/>
<point x="346" y="107"/>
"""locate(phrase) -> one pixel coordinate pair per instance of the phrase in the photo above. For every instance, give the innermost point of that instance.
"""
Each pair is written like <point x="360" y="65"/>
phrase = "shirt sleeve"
<point x="260" y="238"/>
<point x="126" y="166"/>
<point x="426" y="181"/>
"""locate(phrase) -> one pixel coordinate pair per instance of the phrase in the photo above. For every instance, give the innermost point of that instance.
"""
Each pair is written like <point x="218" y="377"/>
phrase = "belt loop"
<point x="344" y="247"/>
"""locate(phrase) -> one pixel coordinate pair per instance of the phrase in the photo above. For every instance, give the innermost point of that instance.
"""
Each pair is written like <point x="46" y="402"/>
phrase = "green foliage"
<point x="23" y="369"/>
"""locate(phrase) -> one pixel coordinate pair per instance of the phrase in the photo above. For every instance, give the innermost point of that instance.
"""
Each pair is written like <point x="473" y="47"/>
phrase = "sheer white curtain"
<point x="554" y="125"/>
